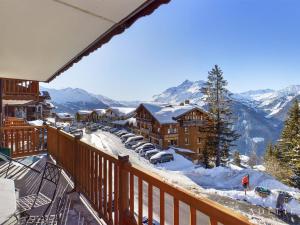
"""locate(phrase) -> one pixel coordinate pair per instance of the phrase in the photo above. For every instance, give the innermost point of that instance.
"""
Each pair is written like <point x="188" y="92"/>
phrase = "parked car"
<point x="145" y="146"/>
<point x="145" y="150"/>
<point x="162" y="157"/>
<point x="106" y="128"/>
<point x="133" y="140"/>
<point x="145" y="221"/>
<point x="140" y="143"/>
<point x="111" y="130"/>
<point x="126" y="136"/>
<point x="122" y="133"/>
<point x="77" y="132"/>
<point x="151" y="153"/>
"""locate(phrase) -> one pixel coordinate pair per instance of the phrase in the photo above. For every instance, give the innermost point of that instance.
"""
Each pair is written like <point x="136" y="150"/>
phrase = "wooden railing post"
<point x="124" y="217"/>
<point x="57" y="146"/>
<point x="76" y="158"/>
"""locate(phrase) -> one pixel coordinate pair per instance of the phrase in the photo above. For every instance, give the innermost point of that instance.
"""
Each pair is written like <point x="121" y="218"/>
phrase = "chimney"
<point x="187" y="102"/>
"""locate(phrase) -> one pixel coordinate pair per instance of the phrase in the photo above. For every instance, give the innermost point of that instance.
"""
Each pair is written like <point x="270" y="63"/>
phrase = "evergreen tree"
<point x="269" y="152"/>
<point x="219" y="105"/>
<point x="237" y="158"/>
<point x="287" y="152"/>
<point x="253" y="159"/>
<point x="290" y="134"/>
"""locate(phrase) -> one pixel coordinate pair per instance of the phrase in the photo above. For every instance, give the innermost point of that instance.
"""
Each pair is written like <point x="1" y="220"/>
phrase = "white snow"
<point x="64" y="115"/>
<point x="164" y="114"/>
<point x="224" y="181"/>
<point x="84" y="112"/>
<point x="36" y="122"/>
<point x="122" y="110"/>
<point x="258" y="139"/>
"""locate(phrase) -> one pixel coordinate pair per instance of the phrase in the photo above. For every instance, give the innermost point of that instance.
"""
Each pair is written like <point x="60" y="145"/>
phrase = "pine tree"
<point x="269" y="152"/>
<point x="288" y="151"/>
<point x="290" y="133"/>
<point x="253" y="159"/>
<point x="219" y="105"/>
<point x="237" y="158"/>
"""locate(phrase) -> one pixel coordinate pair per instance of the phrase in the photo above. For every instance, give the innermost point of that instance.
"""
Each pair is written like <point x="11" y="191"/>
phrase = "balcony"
<point x="20" y="89"/>
<point x="116" y="191"/>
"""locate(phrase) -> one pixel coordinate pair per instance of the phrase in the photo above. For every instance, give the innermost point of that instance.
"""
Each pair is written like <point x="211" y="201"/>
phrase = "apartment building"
<point x="181" y="125"/>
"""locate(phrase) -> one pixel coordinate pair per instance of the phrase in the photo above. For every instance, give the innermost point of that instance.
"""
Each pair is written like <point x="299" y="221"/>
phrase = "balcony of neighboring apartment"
<point x="15" y="89"/>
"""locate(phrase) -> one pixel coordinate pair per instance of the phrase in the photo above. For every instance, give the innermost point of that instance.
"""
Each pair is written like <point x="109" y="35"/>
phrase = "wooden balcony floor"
<point x="27" y="182"/>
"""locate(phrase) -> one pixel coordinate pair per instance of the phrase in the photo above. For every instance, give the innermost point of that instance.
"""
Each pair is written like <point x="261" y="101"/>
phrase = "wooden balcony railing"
<point x="24" y="140"/>
<point x="122" y="193"/>
<point x="119" y="192"/>
<point x="20" y="89"/>
<point x="13" y="121"/>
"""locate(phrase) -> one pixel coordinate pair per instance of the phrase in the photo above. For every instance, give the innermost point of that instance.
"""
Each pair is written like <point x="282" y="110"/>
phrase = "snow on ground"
<point x="36" y="122"/>
<point x="224" y="181"/>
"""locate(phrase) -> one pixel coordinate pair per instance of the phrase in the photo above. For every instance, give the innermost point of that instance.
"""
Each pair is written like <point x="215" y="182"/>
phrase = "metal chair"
<point x="50" y="176"/>
<point x="52" y="219"/>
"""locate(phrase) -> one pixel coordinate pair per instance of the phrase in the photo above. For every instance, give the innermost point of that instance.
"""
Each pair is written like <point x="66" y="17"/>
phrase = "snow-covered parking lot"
<point x="221" y="181"/>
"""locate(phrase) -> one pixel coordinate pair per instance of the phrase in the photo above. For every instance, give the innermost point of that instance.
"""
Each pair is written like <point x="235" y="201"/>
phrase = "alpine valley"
<point x="259" y="114"/>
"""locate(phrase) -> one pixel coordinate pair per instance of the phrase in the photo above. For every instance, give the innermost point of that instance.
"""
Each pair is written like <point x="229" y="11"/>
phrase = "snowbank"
<point x="227" y="182"/>
<point x="178" y="164"/>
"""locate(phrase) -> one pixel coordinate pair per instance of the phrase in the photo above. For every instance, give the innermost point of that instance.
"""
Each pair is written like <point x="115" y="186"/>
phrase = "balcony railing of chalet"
<point x="20" y="89"/>
<point x="193" y="123"/>
<point x="13" y="121"/>
<point x="24" y="140"/>
<point x="155" y="135"/>
<point x="118" y="191"/>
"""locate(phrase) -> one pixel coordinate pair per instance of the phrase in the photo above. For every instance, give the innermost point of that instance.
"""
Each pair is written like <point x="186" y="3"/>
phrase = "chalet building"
<point x="169" y="125"/>
<point x="63" y="117"/>
<point x="98" y="115"/>
<point x="22" y="99"/>
<point x="119" y="113"/>
<point x="84" y="116"/>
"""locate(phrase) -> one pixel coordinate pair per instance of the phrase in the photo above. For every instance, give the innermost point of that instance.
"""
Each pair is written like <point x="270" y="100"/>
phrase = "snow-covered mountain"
<point x="73" y="99"/>
<point x="260" y="113"/>
<point x="274" y="102"/>
<point x="187" y="90"/>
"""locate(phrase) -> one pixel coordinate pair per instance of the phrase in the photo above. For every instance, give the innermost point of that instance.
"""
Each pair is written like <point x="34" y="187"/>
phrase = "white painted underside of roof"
<point x="38" y="37"/>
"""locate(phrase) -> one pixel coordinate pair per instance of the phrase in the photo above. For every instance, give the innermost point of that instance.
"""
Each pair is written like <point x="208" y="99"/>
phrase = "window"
<point x="186" y="141"/>
<point x="199" y="150"/>
<point x="173" y="142"/>
<point x="198" y="140"/>
<point x="186" y="130"/>
<point x="158" y="129"/>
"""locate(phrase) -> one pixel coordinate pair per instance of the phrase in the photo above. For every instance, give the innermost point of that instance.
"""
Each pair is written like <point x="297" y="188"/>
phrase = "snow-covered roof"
<point x="64" y="116"/>
<point x="84" y="112"/>
<point x="120" y="122"/>
<point x="132" y="121"/>
<point x="165" y="114"/>
<point x="122" y="111"/>
<point x="99" y="111"/>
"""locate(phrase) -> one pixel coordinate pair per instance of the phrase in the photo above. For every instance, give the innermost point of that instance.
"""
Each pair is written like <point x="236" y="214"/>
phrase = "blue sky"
<point x="255" y="42"/>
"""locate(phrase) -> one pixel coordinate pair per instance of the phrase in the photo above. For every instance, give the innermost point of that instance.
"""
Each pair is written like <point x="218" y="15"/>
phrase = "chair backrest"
<point x="51" y="173"/>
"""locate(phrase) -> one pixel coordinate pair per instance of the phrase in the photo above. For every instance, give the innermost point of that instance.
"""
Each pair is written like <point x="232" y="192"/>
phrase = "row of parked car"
<point x="140" y="146"/>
